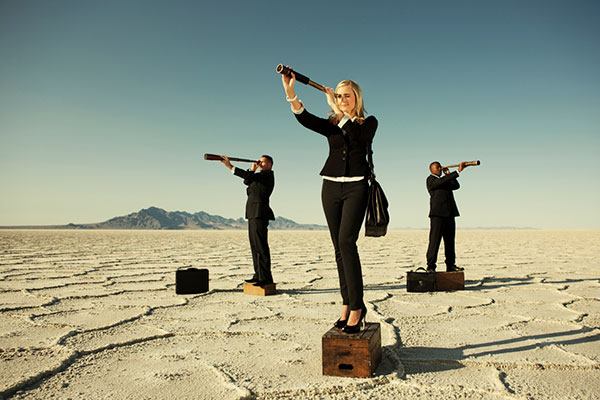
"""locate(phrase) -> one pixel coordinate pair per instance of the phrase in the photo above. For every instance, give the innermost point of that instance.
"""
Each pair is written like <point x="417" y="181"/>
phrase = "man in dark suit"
<point x="258" y="213"/>
<point x="442" y="210"/>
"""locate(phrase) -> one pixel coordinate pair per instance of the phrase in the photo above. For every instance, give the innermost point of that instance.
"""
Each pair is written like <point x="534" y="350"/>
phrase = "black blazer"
<point x="441" y="201"/>
<point x="347" y="152"/>
<point x="260" y="187"/>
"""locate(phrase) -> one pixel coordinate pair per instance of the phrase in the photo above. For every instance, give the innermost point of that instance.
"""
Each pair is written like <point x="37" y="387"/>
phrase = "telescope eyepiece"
<point x="282" y="69"/>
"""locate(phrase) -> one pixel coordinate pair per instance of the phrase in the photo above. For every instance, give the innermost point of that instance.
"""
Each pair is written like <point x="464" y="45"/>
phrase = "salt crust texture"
<point x="94" y="315"/>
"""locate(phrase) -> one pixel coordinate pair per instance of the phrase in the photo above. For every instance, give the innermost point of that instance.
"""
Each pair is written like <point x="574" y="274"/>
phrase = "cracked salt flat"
<point x="93" y="314"/>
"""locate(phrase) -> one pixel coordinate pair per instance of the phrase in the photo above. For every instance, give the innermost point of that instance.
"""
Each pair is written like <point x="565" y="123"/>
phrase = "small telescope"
<point x="467" y="164"/>
<point x="215" y="157"/>
<point x="283" y="70"/>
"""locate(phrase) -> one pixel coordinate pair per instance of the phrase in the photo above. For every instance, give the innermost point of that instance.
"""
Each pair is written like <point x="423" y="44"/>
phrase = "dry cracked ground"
<point x="94" y="314"/>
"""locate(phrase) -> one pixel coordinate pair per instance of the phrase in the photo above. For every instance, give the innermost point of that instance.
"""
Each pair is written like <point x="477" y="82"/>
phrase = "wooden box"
<point x="354" y="355"/>
<point x="449" y="281"/>
<point x="191" y="281"/>
<point x="256" y="290"/>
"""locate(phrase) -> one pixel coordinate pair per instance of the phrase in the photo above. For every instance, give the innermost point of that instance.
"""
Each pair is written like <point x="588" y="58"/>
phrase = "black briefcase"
<point x="191" y="281"/>
<point x="420" y="281"/>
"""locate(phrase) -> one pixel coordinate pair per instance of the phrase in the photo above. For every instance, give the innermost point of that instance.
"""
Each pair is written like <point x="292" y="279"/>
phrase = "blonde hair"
<point x="359" y="108"/>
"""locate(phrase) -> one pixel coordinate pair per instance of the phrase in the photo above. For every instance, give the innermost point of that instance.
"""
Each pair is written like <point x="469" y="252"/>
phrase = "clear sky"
<point x="107" y="107"/>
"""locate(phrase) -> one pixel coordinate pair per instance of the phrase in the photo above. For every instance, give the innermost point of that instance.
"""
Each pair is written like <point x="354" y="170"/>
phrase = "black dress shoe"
<point x="253" y="280"/>
<point x="454" y="268"/>
<point x="430" y="270"/>
<point x="349" y="329"/>
<point x="263" y="283"/>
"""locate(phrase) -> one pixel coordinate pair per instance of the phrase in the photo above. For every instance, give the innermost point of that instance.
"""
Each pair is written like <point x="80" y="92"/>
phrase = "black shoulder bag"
<point x="378" y="218"/>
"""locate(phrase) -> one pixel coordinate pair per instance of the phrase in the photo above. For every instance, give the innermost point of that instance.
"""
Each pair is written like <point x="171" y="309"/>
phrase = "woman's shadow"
<point x="414" y="360"/>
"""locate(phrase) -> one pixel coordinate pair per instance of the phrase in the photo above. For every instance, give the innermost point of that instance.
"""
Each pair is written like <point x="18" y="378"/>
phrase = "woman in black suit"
<point x="345" y="184"/>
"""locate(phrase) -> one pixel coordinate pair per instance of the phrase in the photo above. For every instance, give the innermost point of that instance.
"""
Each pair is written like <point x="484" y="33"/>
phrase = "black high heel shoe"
<point x="361" y="322"/>
<point x="340" y="324"/>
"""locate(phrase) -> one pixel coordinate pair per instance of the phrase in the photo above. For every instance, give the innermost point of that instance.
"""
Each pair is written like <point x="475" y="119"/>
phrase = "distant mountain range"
<point x="157" y="218"/>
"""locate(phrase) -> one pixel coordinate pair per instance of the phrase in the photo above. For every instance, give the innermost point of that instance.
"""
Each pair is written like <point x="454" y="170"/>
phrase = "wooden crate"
<point x="255" y="290"/>
<point x="449" y="281"/>
<point x="355" y="355"/>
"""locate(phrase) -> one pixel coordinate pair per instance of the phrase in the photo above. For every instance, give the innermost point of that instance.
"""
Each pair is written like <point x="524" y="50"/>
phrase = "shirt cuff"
<point x="232" y="169"/>
<point x="300" y="110"/>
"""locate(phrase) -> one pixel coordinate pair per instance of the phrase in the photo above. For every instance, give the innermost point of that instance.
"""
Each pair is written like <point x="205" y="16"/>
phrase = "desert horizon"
<point x="155" y="218"/>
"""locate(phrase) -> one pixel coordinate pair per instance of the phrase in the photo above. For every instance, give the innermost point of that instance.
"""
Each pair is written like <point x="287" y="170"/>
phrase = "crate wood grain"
<point x="445" y="281"/>
<point x="265" y="290"/>
<point x="355" y="355"/>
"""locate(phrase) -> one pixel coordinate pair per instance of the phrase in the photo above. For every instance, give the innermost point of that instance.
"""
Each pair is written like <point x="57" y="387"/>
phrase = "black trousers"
<point x="441" y="227"/>
<point x="259" y="245"/>
<point x="345" y="205"/>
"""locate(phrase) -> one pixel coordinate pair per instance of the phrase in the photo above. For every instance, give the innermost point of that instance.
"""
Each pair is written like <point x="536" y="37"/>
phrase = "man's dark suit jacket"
<point x="260" y="187"/>
<point x="441" y="202"/>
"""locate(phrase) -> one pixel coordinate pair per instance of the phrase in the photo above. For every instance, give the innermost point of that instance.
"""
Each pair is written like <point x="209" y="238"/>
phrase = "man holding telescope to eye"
<point x="258" y="213"/>
<point x="442" y="211"/>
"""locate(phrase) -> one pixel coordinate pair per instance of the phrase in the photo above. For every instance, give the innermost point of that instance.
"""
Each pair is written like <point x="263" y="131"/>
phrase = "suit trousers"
<point x="345" y="204"/>
<point x="261" y="256"/>
<point x="441" y="227"/>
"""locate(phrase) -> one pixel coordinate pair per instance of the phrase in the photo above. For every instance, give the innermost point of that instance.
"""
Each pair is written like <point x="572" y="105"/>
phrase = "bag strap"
<point x="370" y="159"/>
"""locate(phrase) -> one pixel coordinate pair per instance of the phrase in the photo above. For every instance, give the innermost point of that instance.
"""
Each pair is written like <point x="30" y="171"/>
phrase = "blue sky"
<point x="107" y="107"/>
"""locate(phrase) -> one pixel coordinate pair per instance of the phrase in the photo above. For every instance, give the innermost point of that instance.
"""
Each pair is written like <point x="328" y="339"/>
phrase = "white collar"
<point x="345" y="119"/>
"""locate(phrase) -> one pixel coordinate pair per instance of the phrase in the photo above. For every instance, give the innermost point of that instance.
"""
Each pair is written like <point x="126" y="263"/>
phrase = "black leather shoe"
<point x="263" y="283"/>
<point x="430" y="270"/>
<point x="253" y="280"/>
<point x="454" y="268"/>
<point x="340" y="323"/>
<point x="349" y="329"/>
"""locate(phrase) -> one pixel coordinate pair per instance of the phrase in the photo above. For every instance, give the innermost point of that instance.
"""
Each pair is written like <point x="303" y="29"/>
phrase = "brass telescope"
<point x="283" y="70"/>
<point x="215" y="157"/>
<point x="467" y="164"/>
